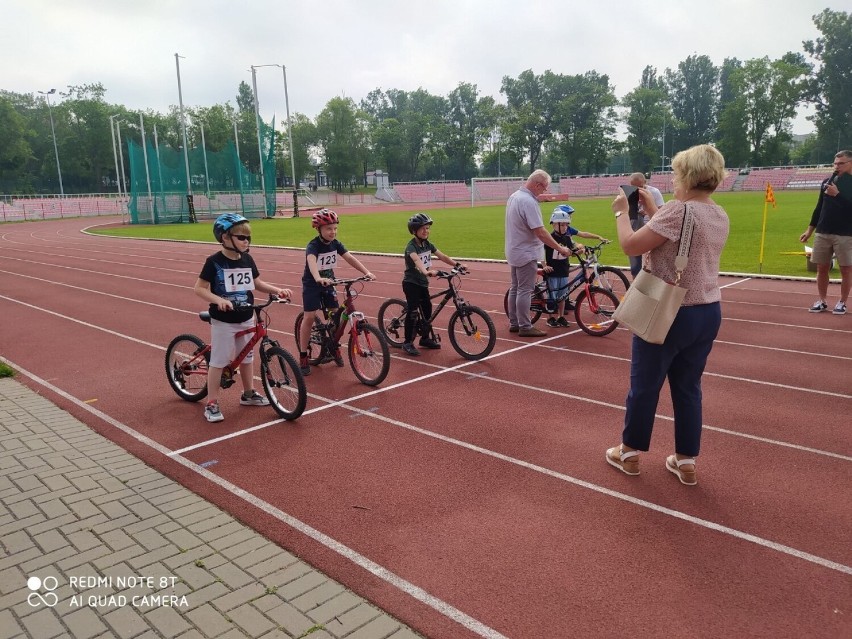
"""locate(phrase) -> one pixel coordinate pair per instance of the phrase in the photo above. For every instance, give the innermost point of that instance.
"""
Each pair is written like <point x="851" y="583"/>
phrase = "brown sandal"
<point x="627" y="461"/>
<point x="686" y="477"/>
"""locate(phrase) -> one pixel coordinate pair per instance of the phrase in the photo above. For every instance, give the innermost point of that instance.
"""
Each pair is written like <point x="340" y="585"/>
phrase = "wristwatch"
<point x="618" y="213"/>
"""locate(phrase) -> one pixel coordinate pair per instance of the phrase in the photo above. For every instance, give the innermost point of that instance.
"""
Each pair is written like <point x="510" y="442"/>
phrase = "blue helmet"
<point x="561" y="213"/>
<point x="224" y="223"/>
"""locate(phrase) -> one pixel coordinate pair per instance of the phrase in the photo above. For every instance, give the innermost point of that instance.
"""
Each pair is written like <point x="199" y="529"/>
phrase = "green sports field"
<point x="478" y="232"/>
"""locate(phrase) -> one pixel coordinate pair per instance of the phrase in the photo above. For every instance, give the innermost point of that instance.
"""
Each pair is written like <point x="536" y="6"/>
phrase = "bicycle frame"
<point x="450" y="293"/>
<point x="340" y="317"/>
<point x="587" y="274"/>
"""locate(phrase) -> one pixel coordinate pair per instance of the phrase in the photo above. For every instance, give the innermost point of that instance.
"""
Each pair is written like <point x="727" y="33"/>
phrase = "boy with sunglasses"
<point x="226" y="282"/>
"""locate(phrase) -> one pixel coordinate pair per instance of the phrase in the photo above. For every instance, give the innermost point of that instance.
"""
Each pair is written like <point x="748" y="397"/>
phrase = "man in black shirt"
<point x="832" y="221"/>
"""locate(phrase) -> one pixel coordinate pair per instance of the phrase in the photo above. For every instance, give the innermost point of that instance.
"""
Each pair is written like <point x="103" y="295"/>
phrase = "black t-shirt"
<point x="555" y="259"/>
<point x="232" y="280"/>
<point x="326" y="254"/>
<point x="833" y="215"/>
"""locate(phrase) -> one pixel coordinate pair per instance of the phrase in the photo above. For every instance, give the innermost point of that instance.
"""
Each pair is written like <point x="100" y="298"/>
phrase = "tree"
<point x="305" y="138"/>
<point x="15" y="150"/>
<point x="693" y="91"/>
<point x="831" y="85"/>
<point x="647" y="113"/>
<point x="336" y="130"/>
<point x="468" y="122"/>
<point x="585" y="126"/>
<point x="731" y="137"/>
<point x="768" y="93"/>
<point x="533" y="103"/>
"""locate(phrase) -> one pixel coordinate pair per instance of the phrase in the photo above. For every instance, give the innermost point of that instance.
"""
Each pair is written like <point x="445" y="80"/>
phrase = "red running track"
<point x="472" y="499"/>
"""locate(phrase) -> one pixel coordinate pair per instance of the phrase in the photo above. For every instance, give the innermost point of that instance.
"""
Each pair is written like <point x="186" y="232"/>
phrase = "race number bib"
<point x="238" y="280"/>
<point x="426" y="259"/>
<point x="327" y="261"/>
<point x="558" y="256"/>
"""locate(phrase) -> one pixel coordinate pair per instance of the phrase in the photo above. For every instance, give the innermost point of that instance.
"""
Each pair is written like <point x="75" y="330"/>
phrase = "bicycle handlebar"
<point x="458" y="270"/>
<point x="272" y="299"/>
<point x="347" y="282"/>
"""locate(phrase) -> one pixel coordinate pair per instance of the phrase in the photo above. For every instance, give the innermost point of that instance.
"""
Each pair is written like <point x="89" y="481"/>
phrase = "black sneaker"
<point x="563" y="322"/>
<point x="569" y="305"/>
<point x="552" y="322"/>
<point x="338" y="358"/>
<point x="411" y="349"/>
<point x="304" y="366"/>
<point x="428" y="342"/>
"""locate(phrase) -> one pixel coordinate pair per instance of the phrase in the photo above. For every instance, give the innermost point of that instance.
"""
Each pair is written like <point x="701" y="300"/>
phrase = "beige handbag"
<point x="650" y="305"/>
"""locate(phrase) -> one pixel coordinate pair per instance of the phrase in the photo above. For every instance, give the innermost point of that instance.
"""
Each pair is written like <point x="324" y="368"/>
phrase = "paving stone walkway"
<point x="96" y="544"/>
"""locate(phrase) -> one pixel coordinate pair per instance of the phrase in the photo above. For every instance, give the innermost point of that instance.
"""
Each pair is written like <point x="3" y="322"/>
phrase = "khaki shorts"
<point x="825" y="245"/>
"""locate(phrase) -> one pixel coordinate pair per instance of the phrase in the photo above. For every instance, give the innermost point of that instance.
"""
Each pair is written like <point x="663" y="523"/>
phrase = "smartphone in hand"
<point x="632" y="193"/>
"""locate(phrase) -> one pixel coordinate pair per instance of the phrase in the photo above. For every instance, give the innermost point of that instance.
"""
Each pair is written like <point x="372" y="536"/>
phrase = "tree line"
<point x="566" y="124"/>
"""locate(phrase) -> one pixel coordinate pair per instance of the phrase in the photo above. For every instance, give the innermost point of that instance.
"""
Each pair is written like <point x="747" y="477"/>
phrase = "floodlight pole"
<point x="290" y="136"/>
<point x="185" y="147"/>
<point x="121" y="157"/>
<point x="204" y="153"/>
<point x="259" y="144"/>
<point x="47" y="95"/>
<point x="115" y="153"/>
<point x="147" y="171"/>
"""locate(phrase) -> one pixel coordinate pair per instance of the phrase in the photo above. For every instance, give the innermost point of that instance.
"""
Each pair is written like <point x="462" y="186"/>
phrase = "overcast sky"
<point x="338" y="47"/>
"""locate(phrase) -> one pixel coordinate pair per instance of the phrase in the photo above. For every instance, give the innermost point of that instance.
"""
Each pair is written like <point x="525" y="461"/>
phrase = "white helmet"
<point x="561" y="213"/>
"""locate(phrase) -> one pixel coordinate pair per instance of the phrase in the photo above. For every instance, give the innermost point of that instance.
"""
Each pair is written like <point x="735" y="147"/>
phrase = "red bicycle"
<point x="368" y="351"/>
<point x="188" y="358"/>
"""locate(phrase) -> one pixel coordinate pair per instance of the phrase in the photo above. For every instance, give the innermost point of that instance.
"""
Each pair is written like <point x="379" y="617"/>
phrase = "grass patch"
<point x="6" y="371"/>
<point x="479" y="232"/>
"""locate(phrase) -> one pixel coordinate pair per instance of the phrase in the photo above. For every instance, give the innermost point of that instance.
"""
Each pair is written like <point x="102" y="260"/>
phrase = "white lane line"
<point x="378" y="391"/>
<point x="385" y="574"/>
<point x="345" y="402"/>
<point x="440" y="606"/>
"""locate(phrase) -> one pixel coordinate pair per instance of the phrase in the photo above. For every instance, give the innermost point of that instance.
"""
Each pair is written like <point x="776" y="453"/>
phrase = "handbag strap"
<point x="686" y="230"/>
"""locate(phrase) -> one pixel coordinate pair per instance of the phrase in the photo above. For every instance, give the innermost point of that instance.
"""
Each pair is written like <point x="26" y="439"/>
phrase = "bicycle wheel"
<point x="369" y="354"/>
<point x="613" y="280"/>
<point x="472" y="333"/>
<point x="538" y="302"/>
<point x="283" y="382"/>
<point x="314" y="346"/>
<point x="187" y="359"/>
<point x="593" y="311"/>
<point x="392" y="321"/>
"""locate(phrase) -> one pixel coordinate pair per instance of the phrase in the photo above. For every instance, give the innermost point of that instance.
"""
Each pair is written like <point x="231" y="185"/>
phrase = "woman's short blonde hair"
<point x="700" y="167"/>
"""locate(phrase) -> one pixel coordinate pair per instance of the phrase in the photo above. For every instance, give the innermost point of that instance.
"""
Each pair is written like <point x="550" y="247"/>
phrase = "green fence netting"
<point x="220" y="182"/>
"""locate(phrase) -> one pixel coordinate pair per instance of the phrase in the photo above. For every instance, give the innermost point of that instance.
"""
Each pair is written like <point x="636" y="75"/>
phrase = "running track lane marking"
<point x="440" y="606"/>
<point x="332" y="403"/>
<point x="385" y="574"/>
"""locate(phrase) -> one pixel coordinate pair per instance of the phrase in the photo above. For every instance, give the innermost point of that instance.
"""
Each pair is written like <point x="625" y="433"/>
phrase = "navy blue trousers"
<point x="681" y="359"/>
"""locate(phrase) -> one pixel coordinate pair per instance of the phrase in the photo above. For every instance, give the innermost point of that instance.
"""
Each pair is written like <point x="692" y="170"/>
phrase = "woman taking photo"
<point x="683" y="355"/>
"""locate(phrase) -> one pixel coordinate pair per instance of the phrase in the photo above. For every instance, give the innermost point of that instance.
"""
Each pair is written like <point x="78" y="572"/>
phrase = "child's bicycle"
<point x="368" y="351"/>
<point x="188" y="357"/>
<point x="599" y="296"/>
<point x="471" y="329"/>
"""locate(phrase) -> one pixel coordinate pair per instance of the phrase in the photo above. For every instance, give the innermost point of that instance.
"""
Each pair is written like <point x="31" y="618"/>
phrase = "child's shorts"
<point x="224" y="346"/>
<point x="315" y="297"/>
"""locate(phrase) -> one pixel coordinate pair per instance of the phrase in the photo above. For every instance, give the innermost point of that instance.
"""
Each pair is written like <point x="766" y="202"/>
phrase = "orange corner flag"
<point x="770" y="195"/>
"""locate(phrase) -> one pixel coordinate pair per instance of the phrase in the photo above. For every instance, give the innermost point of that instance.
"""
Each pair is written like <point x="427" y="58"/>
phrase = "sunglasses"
<point x="242" y="238"/>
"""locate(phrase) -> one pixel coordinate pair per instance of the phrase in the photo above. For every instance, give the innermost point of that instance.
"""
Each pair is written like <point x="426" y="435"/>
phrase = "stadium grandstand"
<point x="499" y="189"/>
<point x="19" y="208"/>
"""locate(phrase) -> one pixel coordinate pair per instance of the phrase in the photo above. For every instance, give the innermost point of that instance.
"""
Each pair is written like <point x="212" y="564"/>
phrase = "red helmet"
<point x="324" y="217"/>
